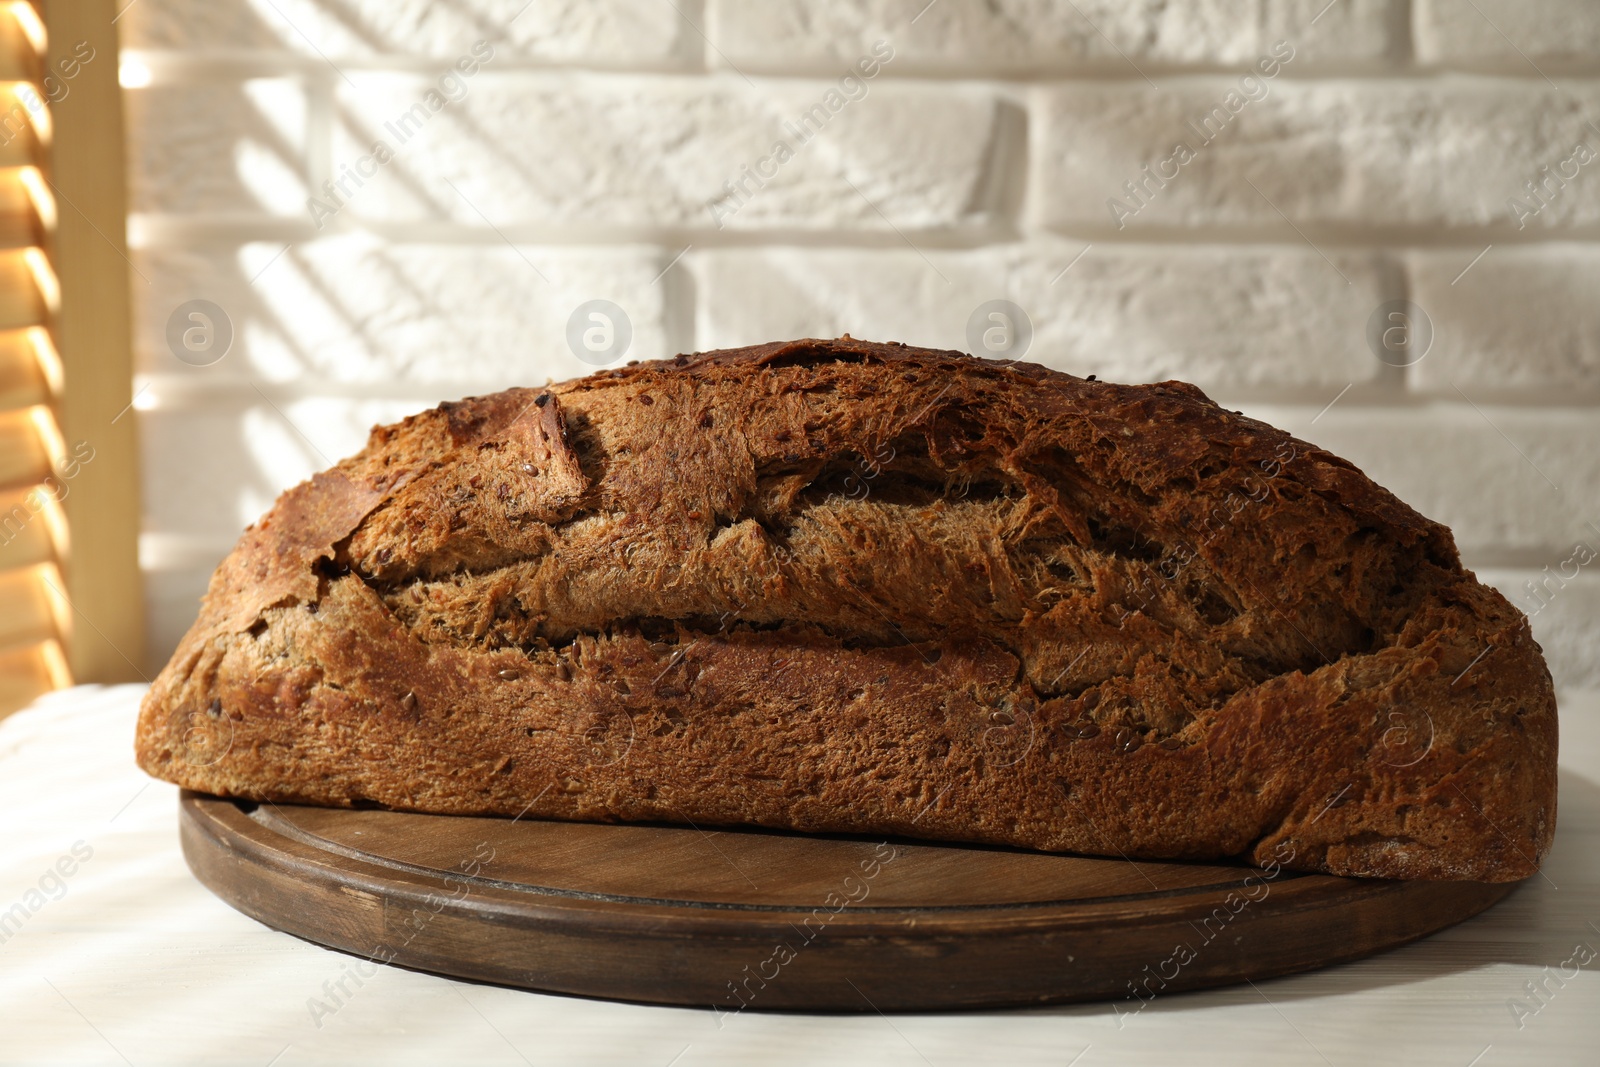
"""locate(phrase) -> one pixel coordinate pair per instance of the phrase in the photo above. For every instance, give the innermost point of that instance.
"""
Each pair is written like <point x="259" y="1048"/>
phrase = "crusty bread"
<point x="851" y="587"/>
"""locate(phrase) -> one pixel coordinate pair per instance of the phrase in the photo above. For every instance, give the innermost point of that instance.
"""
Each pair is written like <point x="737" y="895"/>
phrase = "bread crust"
<point x="848" y="587"/>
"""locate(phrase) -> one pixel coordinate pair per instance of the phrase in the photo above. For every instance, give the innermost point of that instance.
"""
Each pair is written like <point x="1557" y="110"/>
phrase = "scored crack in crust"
<point x="840" y="586"/>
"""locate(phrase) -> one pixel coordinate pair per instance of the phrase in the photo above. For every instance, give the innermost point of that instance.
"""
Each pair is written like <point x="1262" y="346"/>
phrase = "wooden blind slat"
<point x="26" y="521"/>
<point x="19" y="144"/>
<point x="18" y="61"/>
<point x="24" y="459"/>
<point x="22" y="380"/>
<point x="31" y="613"/>
<point x="29" y="672"/>
<point x="19" y="222"/>
<point x="20" y="302"/>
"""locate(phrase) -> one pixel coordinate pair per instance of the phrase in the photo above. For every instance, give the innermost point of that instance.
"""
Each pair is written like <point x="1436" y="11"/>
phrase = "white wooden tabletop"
<point x="111" y="952"/>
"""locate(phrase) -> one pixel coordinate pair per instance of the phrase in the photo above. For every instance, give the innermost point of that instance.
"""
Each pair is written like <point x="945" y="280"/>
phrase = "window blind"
<point x="61" y="224"/>
<point x="33" y="630"/>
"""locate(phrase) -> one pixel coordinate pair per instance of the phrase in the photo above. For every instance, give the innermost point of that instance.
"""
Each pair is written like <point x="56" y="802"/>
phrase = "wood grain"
<point x="756" y="919"/>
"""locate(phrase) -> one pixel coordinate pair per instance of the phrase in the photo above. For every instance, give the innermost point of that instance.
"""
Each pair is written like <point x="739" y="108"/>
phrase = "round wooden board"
<point x="747" y="918"/>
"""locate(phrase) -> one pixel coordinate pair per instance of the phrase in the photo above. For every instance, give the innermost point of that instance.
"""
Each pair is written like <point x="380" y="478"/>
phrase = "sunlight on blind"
<point x="34" y="541"/>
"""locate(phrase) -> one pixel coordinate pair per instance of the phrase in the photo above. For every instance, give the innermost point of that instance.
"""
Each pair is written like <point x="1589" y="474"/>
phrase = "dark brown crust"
<point x="841" y="586"/>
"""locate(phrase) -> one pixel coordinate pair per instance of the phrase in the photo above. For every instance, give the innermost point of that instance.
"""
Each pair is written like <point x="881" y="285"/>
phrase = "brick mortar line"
<point x="224" y="64"/>
<point x="150" y="230"/>
<point x="1389" y="238"/>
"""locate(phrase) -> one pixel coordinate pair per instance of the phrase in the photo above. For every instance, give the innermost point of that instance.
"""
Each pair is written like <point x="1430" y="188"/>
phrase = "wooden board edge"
<point x="662" y="955"/>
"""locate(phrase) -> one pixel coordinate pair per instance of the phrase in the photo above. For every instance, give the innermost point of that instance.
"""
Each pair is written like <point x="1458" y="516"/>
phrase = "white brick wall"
<point x="1346" y="154"/>
<point x="228" y="149"/>
<point x="1046" y="36"/>
<point x="1559" y="34"/>
<point x="353" y="308"/>
<point x="1526" y="316"/>
<point x="1124" y="312"/>
<point x="628" y="150"/>
<point x="585" y="154"/>
<point x="623" y="33"/>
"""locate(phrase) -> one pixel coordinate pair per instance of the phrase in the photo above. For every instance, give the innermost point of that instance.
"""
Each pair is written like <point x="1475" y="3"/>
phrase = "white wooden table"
<point x="127" y="959"/>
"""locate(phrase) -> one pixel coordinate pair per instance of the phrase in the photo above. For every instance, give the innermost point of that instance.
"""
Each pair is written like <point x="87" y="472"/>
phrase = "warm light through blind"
<point x="34" y="615"/>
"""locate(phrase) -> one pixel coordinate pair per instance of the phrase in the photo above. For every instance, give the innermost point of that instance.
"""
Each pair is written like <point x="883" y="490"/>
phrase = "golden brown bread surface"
<point x="848" y="587"/>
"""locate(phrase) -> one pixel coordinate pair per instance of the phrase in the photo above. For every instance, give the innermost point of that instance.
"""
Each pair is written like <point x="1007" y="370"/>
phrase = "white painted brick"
<point x="210" y="472"/>
<point x="229" y="149"/>
<point x="1520" y="317"/>
<point x="1218" y="316"/>
<point x="1045" y="35"/>
<point x="1513" y="32"/>
<point x="195" y="25"/>
<point x="645" y="32"/>
<point x="1453" y="466"/>
<point x="352" y="308"/>
<point x="1567" y="625"/>
<point x="1448" y="152"/>
<point x="586" y="152"/>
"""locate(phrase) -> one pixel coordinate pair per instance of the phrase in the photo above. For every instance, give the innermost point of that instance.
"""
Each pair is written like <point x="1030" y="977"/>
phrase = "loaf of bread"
<point x="838" y="586"/>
